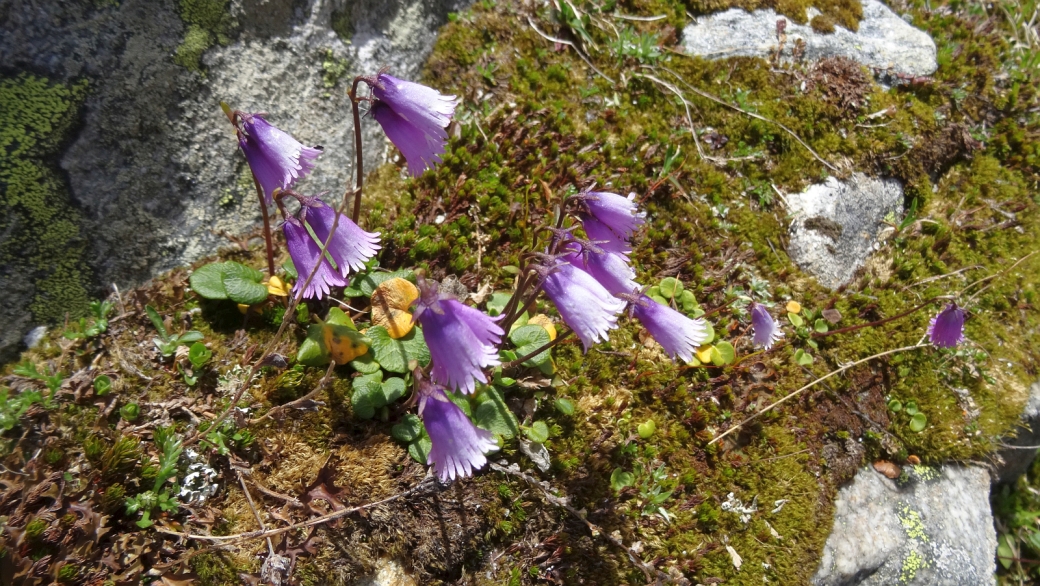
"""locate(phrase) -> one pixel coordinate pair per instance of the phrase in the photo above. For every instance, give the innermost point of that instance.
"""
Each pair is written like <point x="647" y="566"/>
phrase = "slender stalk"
<point x="267" y="228"/>
<point x="526" y="306"/>
<point x="540" y="349"/>
<point x="812" y="384"/>
<point x="848" y="329"/>
<point x="360" y="172"/>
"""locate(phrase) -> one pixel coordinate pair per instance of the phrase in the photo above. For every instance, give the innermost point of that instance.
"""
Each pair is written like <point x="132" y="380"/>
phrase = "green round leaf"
<point x="895" y="406"/>
<point x="619" y="479"/>
<point x="726" y="351"/>
<point x="497" y="302"/>
<point x="918" y="422"/>
<point x="393" y="389"/>
<point x="821" y="325"/>
<point x="528" y="339"/>
<point x="494" y="416"/>
<point x="244" y="290"/>
<point x="538" y="432"/>
<point x="646" y="429"/>
<point x="409" y="428"/>
<point x="365" y="364"/>
<point x="795" y="319"/>
<point x="803" y="358"/>
<point x="564" y="405"/>
<point x="208" y="281"/>
<point x="312" y="351"/>
<point x="670" y="287"/>
<point x="911" y="408"/>
<point x="394" y="355"/>
<point x="709" y="332"/>
<point x="419" y="449"/>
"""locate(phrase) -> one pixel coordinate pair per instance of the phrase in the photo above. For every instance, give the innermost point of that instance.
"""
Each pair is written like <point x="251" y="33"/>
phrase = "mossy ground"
<point x="536" y="122"/>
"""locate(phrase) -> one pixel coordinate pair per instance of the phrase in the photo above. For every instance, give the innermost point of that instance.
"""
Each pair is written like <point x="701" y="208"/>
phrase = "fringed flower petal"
<point x="457" y="446"/>
<point x="676" y="333"/>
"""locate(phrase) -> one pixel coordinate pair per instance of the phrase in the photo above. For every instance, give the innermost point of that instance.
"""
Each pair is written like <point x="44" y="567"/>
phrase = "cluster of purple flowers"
<point x="590" y="281"/>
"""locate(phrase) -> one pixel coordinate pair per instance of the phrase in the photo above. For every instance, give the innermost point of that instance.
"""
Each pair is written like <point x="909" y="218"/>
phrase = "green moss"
<point x="43" y="243"/>
<point x="208" y="22"/>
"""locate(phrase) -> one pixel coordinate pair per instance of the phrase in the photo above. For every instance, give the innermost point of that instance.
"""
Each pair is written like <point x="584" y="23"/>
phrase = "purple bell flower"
<point x="618" y="214"/>
<point x="277" y="159"/>
<point x="463" y="341"/>
<point x="767" y="329"/>
<point x="610" y="269"/>
<point x="457" y="446"/>
<point x="676" y="333"/>
<point x="947" y="328"/>
<point x="414" y="118"/>
<point x="350" y="246"/>
<point x="585" y="305"/>
<point x="306" y="253"/>
<point x="604" y="237"/>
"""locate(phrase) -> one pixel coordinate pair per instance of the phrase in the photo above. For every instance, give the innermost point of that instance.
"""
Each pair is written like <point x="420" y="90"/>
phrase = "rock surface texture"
<point x="931" y="526"/>
<point x="836" y="224"/>
<point x="154" y="165"/>
<point x="1019" y="454"/>
<point x="884" y="42"/>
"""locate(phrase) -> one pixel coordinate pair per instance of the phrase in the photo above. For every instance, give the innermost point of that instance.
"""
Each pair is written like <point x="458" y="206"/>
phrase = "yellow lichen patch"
<point x="390" y="303"/>
<point x="543" y="320"/>
<point x="276" y="286"/>
<point x="793" y="306"/>
<point x="344" y="343"/>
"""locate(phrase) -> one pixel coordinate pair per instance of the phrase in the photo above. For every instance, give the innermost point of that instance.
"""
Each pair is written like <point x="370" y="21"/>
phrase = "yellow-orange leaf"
<point x="793" y="306"/>
<point x="390" y="303"/>
<point x="344" y="344"/>
<point x="276" y="286"/>
<point x="543" y="320"/>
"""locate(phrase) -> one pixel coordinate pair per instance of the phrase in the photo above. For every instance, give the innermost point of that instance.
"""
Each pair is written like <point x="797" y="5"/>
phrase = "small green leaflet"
<point x="229" y="280"/>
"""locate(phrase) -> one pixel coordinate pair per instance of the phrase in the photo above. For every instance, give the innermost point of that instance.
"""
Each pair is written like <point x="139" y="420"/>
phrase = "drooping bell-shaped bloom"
<point x="610" y="269"/>
<point x="604" y="237"/>
<point x="766" y="328"/>
<point x="676" y="333"/>
<point x="585" y="305"/>
<point x="618" y="214"/>
<point x="306" y="254"/>
<point x="414" y="118"/>
<point x="457" y="446"/>
<point x="947" y="328"/>
<point x="350" y="246"/>
<point x="276" y="158"/>
<point x="463" y="341"/>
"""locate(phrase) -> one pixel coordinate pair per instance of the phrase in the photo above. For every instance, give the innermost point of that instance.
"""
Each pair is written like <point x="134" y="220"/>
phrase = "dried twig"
<point x="812" y="384"/>
<point x="530" y="21"/>
<point x="722" y="102"/>
<point x="237" y="538"/>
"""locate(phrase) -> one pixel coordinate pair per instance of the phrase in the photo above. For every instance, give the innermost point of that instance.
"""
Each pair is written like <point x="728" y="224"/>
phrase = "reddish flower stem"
<point x="267" y="228"/>
<point x="359" y="171"/>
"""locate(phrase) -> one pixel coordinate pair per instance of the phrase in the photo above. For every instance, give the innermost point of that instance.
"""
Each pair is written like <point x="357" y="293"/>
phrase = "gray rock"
<point x="930" y="527"/>
<point x="155" y="167"/>
<point x="884" y="41"/>
<point x="1020" y="453"/>
<point x="837" y="224"/>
